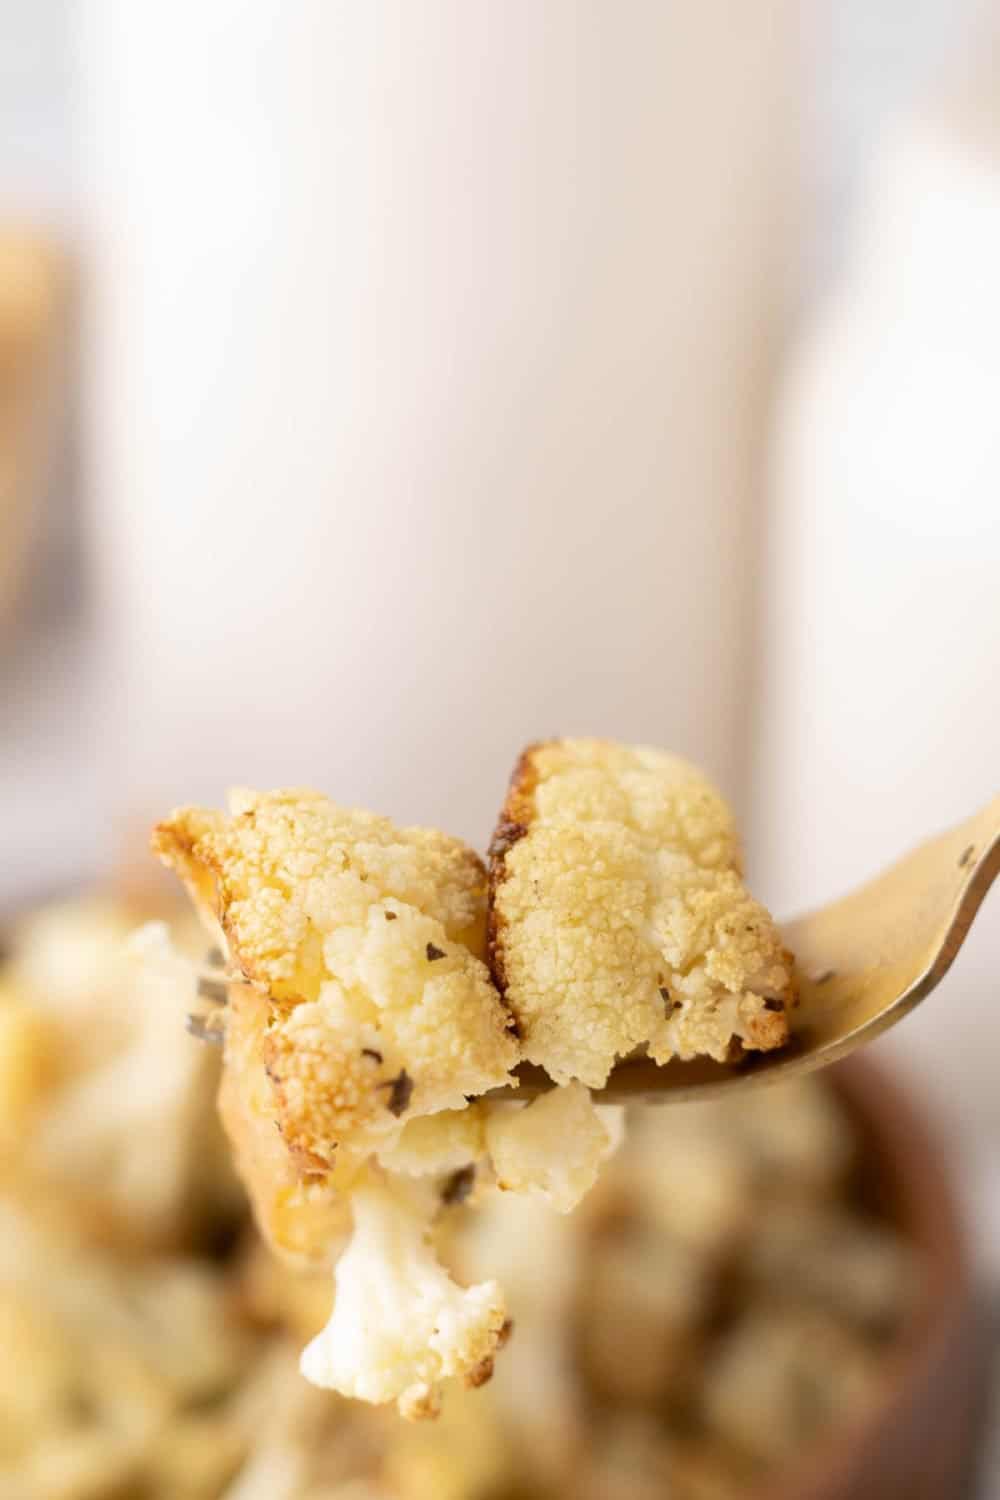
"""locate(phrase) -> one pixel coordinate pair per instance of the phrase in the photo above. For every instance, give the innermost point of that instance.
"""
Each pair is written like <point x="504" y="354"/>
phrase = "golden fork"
<point x="864" y="962"/>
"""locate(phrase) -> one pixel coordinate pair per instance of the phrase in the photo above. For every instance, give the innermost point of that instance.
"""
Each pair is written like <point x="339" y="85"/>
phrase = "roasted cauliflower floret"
<point x="400" y="1325"/>
<point x="358" y="934"/>
<point x="619" y="918"/>
<point x="361" y="1021"/>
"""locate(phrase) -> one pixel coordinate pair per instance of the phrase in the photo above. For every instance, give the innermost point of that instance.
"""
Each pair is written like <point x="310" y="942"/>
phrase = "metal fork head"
<point x="208" y="1022"/>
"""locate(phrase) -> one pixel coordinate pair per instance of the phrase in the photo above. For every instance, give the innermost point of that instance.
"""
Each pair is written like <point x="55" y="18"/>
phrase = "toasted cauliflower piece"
<point x="618" y="916"/>
<point x="358" y="933"/>
<point x="400" y="1325"/>
<point x="551" y="1148"/>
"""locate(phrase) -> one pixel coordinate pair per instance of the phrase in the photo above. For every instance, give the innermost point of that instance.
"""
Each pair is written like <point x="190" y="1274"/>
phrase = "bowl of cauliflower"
<point x="765" y="1296"/>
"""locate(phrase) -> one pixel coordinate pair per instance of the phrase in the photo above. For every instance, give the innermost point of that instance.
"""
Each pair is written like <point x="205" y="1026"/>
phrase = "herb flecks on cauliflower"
<point x="619" y="918"/>
<point x="358" y="933"/>
<point x="400" y="1325"/>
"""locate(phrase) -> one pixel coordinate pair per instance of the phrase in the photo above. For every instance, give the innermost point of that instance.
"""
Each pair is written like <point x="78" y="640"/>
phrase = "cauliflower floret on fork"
<point x="361" y="1023"/>
<point x="619" y="918"/>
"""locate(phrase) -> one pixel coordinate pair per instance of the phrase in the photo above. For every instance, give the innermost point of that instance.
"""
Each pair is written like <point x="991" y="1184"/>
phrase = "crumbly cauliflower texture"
<point x="619" y="918"/>
<point x="400" y="1325"/>
<point x="282" y="870"/>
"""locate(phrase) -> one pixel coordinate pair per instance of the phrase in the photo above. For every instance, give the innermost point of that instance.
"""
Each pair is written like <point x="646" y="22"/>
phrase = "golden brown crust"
<point x="322" y="1091"/>
<point x="480" y="1374"/>
<point x="515" y="819"/>
<point x="180" y="845"/>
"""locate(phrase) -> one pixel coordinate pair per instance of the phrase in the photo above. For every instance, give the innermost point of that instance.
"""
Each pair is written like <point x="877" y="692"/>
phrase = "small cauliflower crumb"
<point x="619" y="918"/>
<point x="440" y="1143"/>
<point x="551" y="1148"/>
<point x="400" y="1325"/>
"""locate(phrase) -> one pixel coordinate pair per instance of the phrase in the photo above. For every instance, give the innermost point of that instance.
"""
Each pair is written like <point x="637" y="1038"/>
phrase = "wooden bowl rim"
<point x="910" y="1154"/>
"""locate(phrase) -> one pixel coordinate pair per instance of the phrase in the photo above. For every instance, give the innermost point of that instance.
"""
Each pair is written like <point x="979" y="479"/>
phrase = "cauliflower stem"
<point x="400" y="1325"/>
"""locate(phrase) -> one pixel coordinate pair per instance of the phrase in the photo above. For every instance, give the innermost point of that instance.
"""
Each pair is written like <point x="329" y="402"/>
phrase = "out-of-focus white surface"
<point x="36" y="163"/>
<point x="424" y="381"/>
<point x="879" y="722"/>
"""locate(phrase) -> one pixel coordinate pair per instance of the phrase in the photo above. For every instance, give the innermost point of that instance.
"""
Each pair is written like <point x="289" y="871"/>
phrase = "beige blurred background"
<point x="446" y="375"/>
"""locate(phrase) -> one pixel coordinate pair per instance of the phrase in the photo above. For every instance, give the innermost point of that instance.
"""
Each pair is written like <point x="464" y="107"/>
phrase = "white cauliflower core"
<point x="619" y="918"/>
<point x="551" y="1148"/>
<point x="400" y="1325"/>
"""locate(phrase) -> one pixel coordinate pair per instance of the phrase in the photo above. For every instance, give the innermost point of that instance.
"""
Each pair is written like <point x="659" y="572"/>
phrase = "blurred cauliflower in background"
<point x="717" y="1300"/>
